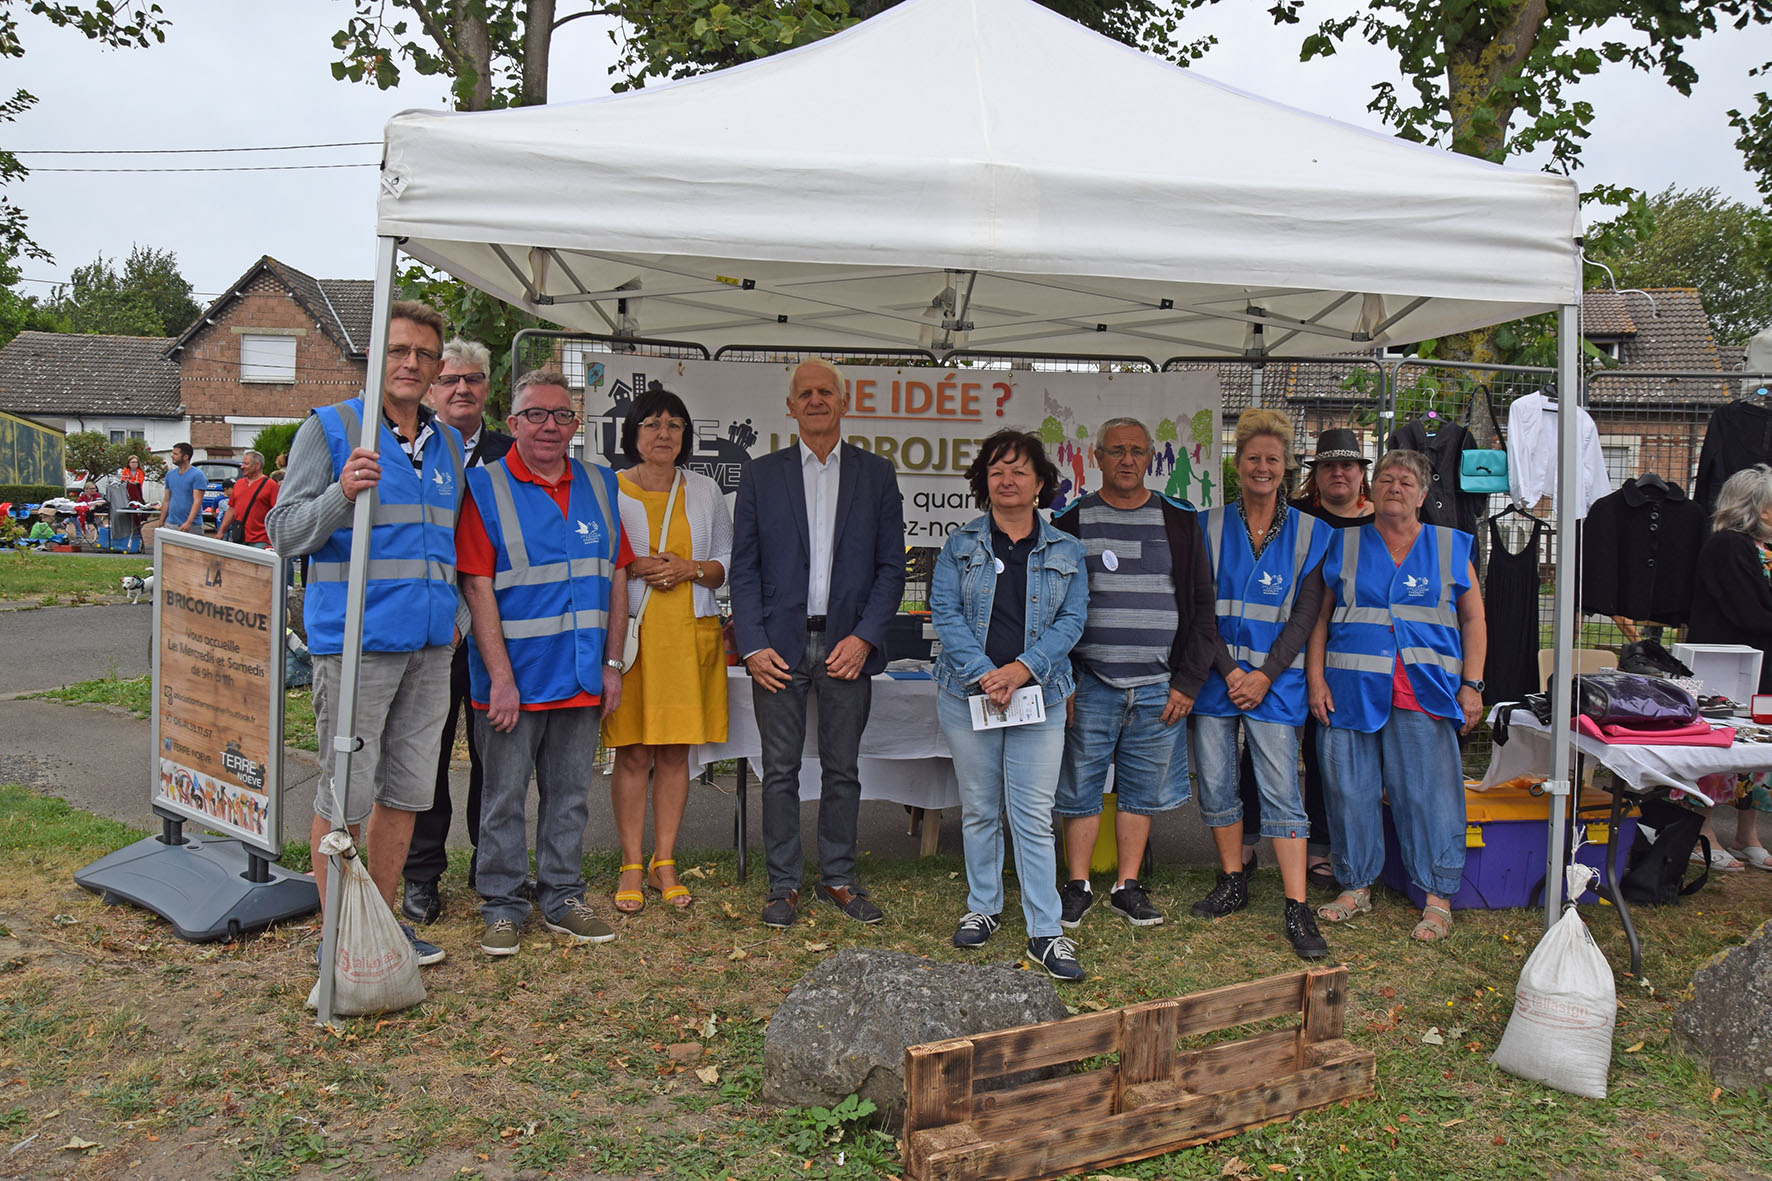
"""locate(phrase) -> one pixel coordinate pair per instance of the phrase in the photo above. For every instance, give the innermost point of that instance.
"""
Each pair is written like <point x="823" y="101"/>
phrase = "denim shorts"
<point x="1122" y="729"/>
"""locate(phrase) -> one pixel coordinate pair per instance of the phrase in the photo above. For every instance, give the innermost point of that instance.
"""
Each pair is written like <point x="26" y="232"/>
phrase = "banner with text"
<point x="218" y="686"/>
<point x="927" y="421"/>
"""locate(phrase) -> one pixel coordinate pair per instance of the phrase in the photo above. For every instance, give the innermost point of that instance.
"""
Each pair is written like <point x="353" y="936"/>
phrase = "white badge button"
<point x="1110" y="559"/>
<point x="999" y="562"/>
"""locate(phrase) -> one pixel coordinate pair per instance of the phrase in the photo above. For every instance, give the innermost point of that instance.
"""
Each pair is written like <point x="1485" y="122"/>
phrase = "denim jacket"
<point x="960" y="599"/>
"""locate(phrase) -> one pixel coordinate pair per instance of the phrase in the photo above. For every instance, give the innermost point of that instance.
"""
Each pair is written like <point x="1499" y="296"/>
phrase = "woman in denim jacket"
<point x="993" y="644"/>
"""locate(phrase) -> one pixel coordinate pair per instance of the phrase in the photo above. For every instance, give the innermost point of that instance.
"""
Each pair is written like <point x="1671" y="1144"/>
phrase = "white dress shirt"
<point x="821" y="480"/>
<point x="1532" y="453"/>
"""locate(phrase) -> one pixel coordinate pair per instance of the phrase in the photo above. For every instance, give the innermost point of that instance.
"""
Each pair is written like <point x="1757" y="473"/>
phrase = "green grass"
<point x="135" y="693"/>
<point x="555" y="1061"/>
<point x="64" y="579"/>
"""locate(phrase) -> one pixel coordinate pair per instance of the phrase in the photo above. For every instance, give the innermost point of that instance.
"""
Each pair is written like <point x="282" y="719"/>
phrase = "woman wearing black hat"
<point x="1337" y="492"/>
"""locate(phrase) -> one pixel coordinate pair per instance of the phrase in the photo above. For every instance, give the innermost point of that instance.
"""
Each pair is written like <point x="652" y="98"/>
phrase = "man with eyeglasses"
<point x="1146" y="647"/>
<point x="539" y="547"/>
<point x="459" y="398"/>
<point x="412" y="615"/>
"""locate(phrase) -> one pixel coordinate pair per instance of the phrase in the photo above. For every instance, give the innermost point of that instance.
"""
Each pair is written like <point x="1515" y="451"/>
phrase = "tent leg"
<point x="346" y="742"/>
<point x="1569" y="401"/>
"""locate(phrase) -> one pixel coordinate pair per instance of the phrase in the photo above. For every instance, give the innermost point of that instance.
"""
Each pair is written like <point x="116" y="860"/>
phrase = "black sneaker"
<point x="1135" y="905"/>
<point x="1057" y="954"/>
<point x="1231" y="894"/>
<point x="421" y="902"/>
<point x="1301" y="929"/>
<point x="975" y="928"/>
<point x="1074" y="900"/>
<point x="778" y="908"/>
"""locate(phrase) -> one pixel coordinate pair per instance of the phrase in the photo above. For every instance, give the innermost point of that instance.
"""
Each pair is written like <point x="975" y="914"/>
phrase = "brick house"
<point x="120" y="386"/>
<point x="278" y="343"/>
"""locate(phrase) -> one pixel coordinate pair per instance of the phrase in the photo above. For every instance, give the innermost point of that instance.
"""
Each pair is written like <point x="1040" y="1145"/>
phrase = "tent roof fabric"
<point x="974" y="173"/>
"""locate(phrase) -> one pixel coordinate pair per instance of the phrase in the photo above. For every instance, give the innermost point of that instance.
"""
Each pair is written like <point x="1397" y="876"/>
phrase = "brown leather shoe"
<point x="778" y="908"/>
<point x="852" y="901"/>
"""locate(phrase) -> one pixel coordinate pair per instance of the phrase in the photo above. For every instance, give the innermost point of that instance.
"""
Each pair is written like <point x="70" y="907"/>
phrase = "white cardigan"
<point x="710" y="534"/>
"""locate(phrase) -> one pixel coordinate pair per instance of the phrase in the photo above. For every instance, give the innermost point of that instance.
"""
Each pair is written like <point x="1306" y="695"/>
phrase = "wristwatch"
<point x="1479" y="686"/>
<point x="697" y="577"/>
<point x="612" y="662"/>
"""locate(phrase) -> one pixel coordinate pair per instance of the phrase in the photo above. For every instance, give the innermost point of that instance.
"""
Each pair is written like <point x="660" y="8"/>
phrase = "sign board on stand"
<point x="217" y="747"/>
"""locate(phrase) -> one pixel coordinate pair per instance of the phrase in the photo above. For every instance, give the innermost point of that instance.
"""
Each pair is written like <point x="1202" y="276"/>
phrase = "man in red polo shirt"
<point x="540" y="553"/>
<point x="249" y="500"/>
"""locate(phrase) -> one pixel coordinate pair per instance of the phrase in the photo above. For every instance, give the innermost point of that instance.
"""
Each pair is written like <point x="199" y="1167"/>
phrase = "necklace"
<point x="1399" y="553"/>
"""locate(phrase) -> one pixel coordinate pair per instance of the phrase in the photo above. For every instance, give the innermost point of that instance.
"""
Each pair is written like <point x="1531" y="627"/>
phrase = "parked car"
<point x="221" y="474"/>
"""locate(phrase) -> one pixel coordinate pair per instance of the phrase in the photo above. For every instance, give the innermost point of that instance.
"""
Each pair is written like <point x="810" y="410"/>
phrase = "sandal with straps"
<point x="670" y="893"/>
<point x="1351" y="903"/>
<point x="1435" y="924"/>
<point x="630" y="901"/>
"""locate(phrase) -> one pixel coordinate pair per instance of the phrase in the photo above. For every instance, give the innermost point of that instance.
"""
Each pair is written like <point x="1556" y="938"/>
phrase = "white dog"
<point x="139" y="588"/>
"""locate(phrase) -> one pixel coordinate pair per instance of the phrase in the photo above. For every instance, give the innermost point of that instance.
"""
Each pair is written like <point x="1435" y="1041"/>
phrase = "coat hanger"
<point x="1514" y="507"/>
<point x="1652" y="480"/>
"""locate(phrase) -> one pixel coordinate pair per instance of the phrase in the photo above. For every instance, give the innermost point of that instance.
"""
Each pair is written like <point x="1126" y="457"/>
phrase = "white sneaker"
<point x="1720" y="859"/>
<point x="1755" y="856"/>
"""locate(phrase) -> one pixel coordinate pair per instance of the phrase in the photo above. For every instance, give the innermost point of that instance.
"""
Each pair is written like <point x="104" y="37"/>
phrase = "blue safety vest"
<point x="410" y="602"/>
<point x="552" y="581"/>
<point x="1254" y="602"/>
<point x="1384" y="610"/>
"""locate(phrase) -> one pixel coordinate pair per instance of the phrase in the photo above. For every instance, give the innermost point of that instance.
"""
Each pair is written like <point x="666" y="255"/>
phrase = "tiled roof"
<point x="340" y="307"/>
<point x="64" y="373"/>
<point x="1670" y="332"/>
<point x="1605" y="313"/>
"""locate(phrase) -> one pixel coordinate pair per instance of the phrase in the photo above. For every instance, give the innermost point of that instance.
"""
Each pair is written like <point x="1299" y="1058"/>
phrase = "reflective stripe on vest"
<point x="1366" y="639"/>
<point x="553" y="607"/>
<point x="410" y="601"/>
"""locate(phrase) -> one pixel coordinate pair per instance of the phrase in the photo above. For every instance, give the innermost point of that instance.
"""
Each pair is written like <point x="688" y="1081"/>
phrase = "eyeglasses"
<point x="667" y="426"/>
<point x="400" y="352"/>
<point x="536" y="415"/>
<point x="454" y="379"/>
<point x="1127" y="452"/>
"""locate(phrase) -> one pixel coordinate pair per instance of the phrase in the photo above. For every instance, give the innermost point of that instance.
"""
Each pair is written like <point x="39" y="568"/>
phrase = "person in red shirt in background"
<point x="538" y="549"/>
<point x="249" y="500"/>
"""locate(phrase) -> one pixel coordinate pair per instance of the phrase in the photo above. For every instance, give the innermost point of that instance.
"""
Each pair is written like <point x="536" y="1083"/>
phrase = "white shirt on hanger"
<point x="1532" y="453"/>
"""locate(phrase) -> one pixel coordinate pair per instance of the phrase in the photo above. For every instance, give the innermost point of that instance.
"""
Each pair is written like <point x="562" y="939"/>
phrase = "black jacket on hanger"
<point x="1639" y="552"/>
<point x="1445" y="504"/>
<point x="1739" y="436"/>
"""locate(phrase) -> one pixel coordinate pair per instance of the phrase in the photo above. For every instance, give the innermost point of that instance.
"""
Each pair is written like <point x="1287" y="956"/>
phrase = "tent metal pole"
<point x="347" y="742"/>
<point x="1569" y="514"/>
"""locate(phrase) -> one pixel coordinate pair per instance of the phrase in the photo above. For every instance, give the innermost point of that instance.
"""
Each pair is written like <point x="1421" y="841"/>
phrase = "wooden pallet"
<point x="1156" y="1097"/>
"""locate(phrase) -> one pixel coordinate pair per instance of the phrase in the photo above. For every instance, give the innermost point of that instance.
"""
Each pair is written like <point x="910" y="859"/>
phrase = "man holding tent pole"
<point x="412" y="614"/>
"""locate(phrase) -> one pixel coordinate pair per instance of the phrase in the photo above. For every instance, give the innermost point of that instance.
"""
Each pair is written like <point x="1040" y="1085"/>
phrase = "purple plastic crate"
<point x="1508" y="868"/>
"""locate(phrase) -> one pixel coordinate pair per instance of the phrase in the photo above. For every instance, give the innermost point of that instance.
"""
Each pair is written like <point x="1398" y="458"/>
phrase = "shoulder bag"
<point x="237" y="529"/>
<point x="630" y="648"/>
<point x="1483" y="469"/>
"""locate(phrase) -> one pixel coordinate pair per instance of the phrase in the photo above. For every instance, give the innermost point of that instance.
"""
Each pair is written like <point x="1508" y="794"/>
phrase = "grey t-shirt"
<point x="1132" y="613"/>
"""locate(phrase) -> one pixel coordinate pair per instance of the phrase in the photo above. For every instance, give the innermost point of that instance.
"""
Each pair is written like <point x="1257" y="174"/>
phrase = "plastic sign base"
<point x="201" y="885"/>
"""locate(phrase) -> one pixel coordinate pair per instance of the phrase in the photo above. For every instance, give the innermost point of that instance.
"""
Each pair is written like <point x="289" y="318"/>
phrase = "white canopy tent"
<point x="981" y="174"/>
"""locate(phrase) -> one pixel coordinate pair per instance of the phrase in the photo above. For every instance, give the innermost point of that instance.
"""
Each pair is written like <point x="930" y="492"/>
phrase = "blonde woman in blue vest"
<point x="1266" y="562"/>
<point x="1396" y="675"/>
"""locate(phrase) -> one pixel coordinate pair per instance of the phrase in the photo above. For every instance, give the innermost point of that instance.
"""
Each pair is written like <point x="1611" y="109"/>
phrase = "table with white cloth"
<point x="1642" y="772"/>
<point x="904" y="757"/>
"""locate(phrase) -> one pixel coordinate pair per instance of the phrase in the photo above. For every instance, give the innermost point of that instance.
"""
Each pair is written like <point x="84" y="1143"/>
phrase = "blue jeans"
<point x="558" y="746"/>
<point x="1274" y="746"/>
<point x="1414" y="759"/>
<point x="1015" y="771"/>
<point x="1122" y="729"/>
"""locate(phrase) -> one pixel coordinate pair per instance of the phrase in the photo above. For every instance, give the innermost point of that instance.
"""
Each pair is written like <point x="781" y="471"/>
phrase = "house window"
<point x="267" y="358"/>
<point x="117" y="436"/>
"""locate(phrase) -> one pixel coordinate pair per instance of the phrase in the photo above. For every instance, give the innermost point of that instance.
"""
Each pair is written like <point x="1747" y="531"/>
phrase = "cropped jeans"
<point x="1009" y="772"/>
<point x="1274" y="747"/>
<point x="1413" y="760"/>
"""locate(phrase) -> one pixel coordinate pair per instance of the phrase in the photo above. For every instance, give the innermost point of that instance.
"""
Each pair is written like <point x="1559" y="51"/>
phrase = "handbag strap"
<point x="664" y="533"/>
<point x="250" y="501"/>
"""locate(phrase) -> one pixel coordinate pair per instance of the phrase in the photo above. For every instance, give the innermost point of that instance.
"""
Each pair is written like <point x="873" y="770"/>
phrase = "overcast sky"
<point x="234" y="74"/>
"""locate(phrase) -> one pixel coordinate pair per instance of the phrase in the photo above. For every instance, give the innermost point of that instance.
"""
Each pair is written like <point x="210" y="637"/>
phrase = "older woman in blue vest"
<point x="1266" y="558"/>
<point x="1008" y="600"/>
<point x="1396" y="674"/>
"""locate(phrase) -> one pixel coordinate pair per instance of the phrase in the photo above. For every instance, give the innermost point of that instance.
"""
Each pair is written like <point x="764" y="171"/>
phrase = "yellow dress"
<point x="676" y="691"/>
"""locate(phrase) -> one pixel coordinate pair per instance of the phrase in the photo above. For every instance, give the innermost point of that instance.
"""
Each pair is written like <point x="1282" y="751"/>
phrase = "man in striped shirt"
<point x="1144" y="654"/>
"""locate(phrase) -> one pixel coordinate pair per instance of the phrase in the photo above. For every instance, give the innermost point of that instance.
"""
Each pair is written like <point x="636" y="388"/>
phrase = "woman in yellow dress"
<point x="674" y="695"/>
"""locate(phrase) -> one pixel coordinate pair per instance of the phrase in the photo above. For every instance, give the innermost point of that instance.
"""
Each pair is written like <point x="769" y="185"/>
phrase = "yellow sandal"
<point x="669" y="893"/>
<point x="630" y="901"/>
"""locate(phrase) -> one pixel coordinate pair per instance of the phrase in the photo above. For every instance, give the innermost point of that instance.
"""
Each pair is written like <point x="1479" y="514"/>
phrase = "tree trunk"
<point x="538" y="33"/>
<point x="473" y="85"/>
<point x="1489" y="51"/>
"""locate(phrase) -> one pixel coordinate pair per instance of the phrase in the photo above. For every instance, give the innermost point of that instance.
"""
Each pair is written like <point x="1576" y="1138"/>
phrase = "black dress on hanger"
<point x="1510" y="605"/>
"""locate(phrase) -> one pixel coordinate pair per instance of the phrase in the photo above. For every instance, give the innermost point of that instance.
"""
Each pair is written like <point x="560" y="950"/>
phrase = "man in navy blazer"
<point x="817" y="574"/>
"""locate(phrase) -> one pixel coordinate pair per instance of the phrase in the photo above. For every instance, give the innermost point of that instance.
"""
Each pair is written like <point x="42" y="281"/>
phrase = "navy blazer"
<point x="772" y="555"/>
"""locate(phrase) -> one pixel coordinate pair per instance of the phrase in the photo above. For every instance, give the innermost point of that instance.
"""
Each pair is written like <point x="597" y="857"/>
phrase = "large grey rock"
<point x="1727" y="1023"/>
<point x="845" y="1027"/>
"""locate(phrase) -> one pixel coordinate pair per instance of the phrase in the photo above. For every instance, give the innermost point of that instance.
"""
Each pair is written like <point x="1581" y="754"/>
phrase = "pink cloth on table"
<point x="1696" y="734"/>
